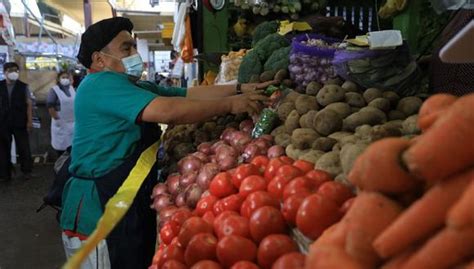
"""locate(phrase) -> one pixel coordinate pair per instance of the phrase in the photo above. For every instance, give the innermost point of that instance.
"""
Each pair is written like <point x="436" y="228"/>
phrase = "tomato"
<point x="232" y="171"/>
<point x="319" y="176"/>
<point x="315" y="215"/>
<point x="300" y="186"/>
<point x="221" y="185"/>
<point x="219" y="219"/>
<point x="173" y="264"/>
<point x="234" y="248"/>
<point x="335" y="191"/>
<point x="209" y="217"/>
<point x="304" y="166"/>
<point x="233" y="225"/>
<point x="289" y="171"/>
<point x="277" y="185"/>
<point x="181" y="215"/>
<point x="293" y="260"/>
<point x="272" y="168"/>
<point x="256" y="200"/>
<point x="290" y="207"/>
<point x="264" y="221"/>
<point x="244" y="265"/>
<point x="261" y="162"/>
<point x="218" y="208"/>
<point x="159" y="252"/>
<point x="346" y="206"/>
<point x="243" y="171"/>
<point x="252" y="184"/>
<point x="201" y="247"/>
<point x="286" y="159"/>
<point x="232" y="203"/>
<point x="205" y="204"/>
<point x="171" y="252"/>
<point x="190" y="228"/>
<point x="273" y="247"/>
<point x="207" y="264"/>
<point x="169" y="231"/>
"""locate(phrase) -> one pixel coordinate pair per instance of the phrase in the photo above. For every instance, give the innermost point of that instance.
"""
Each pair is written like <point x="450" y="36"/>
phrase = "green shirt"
<point x="106" y="107"/>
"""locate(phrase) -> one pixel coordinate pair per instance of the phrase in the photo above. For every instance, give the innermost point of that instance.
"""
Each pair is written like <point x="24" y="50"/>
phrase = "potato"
<point x="339" y="135"/>
<point x="311" y="156"/>
<point x="396" y="115"/>
<point x="337" y="147"/>
<point x="372" y="93"/>
<point x="382" y="131"/>
<point x="409" y="105"/>
<point x="327" y="122"/>
<point x="292" y="121"/>
<point x="294" y="153"/>
<point x="281" y="75"/>
<point x="410" y="125"/>
<point x="363" y="131"/>
<point x="355" y="99"/>
<point x="291" y="96"/>
<point x="305" y="103"/>
<point x="342" y="178"/>
<point x="394" y="124"/>
<point x="279" y="130"/>
<point x="283" y="140"/>
<point x="306" y="121"/>
<point x="324" y="144"/>
<point x="303" y="138"/>
<point x="349" y="154"/>
<point x="313" y="88"/>
<point x="354" y="109"/>
<point x="267" y="76"/>
<point x="393" y="97"/>
<point x="350" y="86"/>
<point x="330" y="163"/>
<point x="287" y="83"/>
<point x="330" y="94"/>
<point x="284" y="110"/>
<point x="367" y="115"/>
<point x="340" y="108"/>
<point x="334" y="81"/>
<point x="381" y="103"/>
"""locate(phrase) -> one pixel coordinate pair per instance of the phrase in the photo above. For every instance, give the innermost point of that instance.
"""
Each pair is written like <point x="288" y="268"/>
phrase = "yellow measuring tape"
<point x="117" y="206"/>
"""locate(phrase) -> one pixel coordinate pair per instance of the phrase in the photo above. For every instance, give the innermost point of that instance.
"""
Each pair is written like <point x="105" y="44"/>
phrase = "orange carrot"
<point x="433" y="108"/>
<point x="447" y="147"/>
<point x="378" y="168"/>
<point x="398" y="261"/>
<point x="448" y="248"/>
<point x="423" y="218"/>
<point x="461" y="214"/>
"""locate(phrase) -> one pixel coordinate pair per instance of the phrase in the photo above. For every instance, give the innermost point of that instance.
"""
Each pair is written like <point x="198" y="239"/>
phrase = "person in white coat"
<point x="60" y="103"/>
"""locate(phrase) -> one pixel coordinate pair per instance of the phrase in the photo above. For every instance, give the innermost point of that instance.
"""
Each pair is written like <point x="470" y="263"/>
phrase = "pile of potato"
<point x="331" y="124"/>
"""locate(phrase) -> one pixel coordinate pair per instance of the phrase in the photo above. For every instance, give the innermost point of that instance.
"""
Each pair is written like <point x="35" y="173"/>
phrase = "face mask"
<point x="65" y="81"/>
<point x="133" y="64"/>
<point x="13" y="75"/>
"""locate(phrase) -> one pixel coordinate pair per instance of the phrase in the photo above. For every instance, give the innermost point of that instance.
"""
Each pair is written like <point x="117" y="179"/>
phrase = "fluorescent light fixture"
<point x="19" y="10"/>
<point x="71" y="24"/>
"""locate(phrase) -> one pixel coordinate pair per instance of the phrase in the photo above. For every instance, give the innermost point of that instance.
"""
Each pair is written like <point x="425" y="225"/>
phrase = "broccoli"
<point x="269" y="44"/>
<point x="280" y="59"/>
<point x="264" y="29"/>
<point x="250" y="65"/>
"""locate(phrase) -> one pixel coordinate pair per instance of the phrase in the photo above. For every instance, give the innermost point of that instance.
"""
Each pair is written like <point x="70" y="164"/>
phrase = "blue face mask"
<point x="133" y="64"/>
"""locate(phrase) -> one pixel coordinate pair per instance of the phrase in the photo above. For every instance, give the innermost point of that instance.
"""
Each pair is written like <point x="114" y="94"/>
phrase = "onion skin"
<point x="239" y="140"/>
<point x="250" y="152"/>
<point x="161" y="201"/>
<point x="206" y="174"/>
<point x="226" y="134"/>
<point x="165" y="214"/>
<point x="192" y="195"/>
<point x="159" y="188"/>
<point x="180" y="199"/>
<point x="188" y="179"/>
<point x="227" y="163"/>
<point x="201" y="156"/>
<point x="205" y="148"/>
<point x="275" y="151"/>
<point x="189" y="164"/>
<point x="173" y="183"/>
<point x="246" y="126"/>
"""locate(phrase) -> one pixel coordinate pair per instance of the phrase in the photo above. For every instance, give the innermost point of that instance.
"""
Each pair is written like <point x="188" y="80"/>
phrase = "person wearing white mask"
<point x="15" y="120"/>
<point x="60" y="103"/>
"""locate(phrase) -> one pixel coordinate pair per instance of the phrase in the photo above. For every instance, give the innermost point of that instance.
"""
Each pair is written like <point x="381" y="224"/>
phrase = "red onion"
<point x="226" y="134"/>
<point x="213" y="159"/>
<point x="239" y="140"/>
<point x="275" y="151"/>
<point x="250" y="152"/>
<point x="206" y="174"/>
<point x="161" y="201"/>
<point x="268" y="137"/>
<point x="188" y="179"/>
<point x="227" y="163"/>
<point x="217" y="145"/>
<point x="159" y="188"/>
<point x="189" y="164"/>
<point x="173" y="183"/>
<point x="246" y="126"/>
<point x="205" y="148"/>
<point x="201" y="156"/>
<point x="193" y="194"/>
<point x="166" y="213"/>
<point x="224" y="151"/>
<point x="180" y="199"/>
<point x="263" y="144"/>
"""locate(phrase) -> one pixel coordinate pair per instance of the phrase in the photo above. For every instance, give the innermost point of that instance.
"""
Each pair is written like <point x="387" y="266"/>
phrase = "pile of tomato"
<point x="245" y="219"/>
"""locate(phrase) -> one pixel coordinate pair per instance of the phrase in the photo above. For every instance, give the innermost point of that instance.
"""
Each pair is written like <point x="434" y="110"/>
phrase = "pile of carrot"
<point x="415" y="202"/>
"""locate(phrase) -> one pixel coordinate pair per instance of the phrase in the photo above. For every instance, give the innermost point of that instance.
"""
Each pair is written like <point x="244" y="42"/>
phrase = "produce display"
<point x="229" y="68"/>
<point x="293" y="8"/>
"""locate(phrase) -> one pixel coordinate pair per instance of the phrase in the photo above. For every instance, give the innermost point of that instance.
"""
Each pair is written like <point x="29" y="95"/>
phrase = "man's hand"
<point x="29" y="125"/>
<point x="252" y="103"/>
<point x="251" y="87"/>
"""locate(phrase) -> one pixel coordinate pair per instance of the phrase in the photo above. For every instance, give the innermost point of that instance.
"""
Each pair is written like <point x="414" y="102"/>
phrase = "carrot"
<point x="433" y="108"/>
<point x="378" y="168"/>
<point x="399" y="260"/>
<point x="448" y="248"/>
<point x="423" y="218"/>
<point x="330" y="257"/>
<point x="462" y="213"/>
<point x="447" y="147"/>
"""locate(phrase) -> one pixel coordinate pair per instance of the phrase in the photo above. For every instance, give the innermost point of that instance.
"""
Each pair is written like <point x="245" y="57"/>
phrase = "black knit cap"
<point x="98" y="35"/>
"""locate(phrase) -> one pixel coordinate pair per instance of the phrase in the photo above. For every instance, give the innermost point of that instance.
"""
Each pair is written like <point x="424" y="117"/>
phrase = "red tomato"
<point x="181" y="215"/>
<point x="286" y="159"/>
<point x="218" y="208"/>
<point x="232" y="203"/>
<point x="233" y="225"/>
<point x="207" y="264"/>
<point x="316" y="214"/>
<point x="209" y="217"/>
<point x="243" y="171"/>
<point x="290" y="207"/>
<point x="277" y="185"/>
<point x="256" y="200"/>
<point x="173" y="264"/>
<point x="300" y="186"/>
<point x="244" y="265"/>
<point x="261" y="162"/>
<point x="265" y="221"/>
<point x="252" y="184"/>
<point x="335" y="191"/>
<point x="288" y="171"/>
<point x="232" y="171"/>
<point x="171" y="252"/>
<point x="304" y="166"/>
<point x="221" y="185"/>
<point x="319" y="176"/>
<point x="293" y="260"/>
<point x="169" y="231"/>
<point x="234" y="248"/>
<point x="346" y="206"/>
<point x="272" y="168"/>
<point x="159" y="252"/>
<point x="219" y="219"/>
<point x="273" y="247"/>
<point x="190" y="228"/>
<point x="201" y="247"/>
<point x="205" y="204"/>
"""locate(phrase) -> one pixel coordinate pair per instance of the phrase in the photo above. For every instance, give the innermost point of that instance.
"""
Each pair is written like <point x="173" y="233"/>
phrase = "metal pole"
<point x="87" y="13"/>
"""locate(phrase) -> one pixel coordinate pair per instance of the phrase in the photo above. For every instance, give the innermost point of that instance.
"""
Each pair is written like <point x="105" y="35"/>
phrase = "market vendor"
<point x="113" y="116"/>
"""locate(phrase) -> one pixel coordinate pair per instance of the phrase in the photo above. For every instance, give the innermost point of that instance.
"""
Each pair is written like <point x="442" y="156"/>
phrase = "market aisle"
<point x="28" y="239"/>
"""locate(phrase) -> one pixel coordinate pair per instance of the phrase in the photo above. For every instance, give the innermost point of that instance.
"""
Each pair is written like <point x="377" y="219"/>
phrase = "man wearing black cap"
<point x="112" y="127"/>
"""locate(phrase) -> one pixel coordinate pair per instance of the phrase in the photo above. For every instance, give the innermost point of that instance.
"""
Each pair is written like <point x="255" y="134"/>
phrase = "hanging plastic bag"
<point x="187" y="48"/>
<point x="179" y="27"/>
